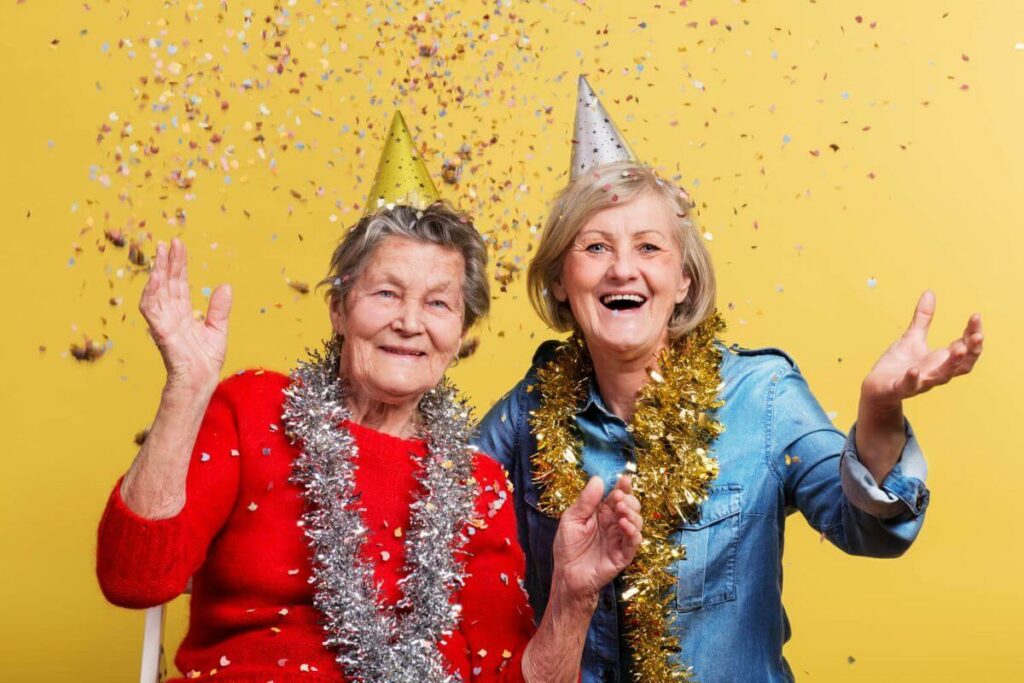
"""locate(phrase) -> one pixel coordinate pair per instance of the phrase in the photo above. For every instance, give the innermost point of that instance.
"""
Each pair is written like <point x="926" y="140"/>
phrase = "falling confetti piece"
<point x="89" y="351"/>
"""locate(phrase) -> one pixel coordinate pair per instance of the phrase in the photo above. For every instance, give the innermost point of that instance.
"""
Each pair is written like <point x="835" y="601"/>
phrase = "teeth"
<point x="623" y="297"/>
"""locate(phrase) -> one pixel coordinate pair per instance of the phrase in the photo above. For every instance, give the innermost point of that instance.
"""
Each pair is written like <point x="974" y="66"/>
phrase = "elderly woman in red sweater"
<point x="336" y="525"/>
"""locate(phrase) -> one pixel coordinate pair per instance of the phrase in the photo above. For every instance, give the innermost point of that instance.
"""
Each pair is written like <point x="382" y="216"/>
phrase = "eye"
<point x="596" y="248"/>
<point x="386" y="294"/>
<point x="648" y="248"/>
<point x="440" y="303"/>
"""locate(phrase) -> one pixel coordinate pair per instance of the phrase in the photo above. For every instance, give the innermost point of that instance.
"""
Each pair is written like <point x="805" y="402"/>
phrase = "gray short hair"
<point x="607" y="186"/>
<point x="438" y="224"/>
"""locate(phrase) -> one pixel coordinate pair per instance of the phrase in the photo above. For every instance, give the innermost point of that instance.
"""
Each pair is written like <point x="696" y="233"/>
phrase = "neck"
<point x="621" y="376"/>
<point x="394" y="419"/>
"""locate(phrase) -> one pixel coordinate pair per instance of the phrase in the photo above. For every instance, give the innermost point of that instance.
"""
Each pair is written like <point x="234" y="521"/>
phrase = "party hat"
<point x="596" y="141"/>
<point x="402" y="177"/>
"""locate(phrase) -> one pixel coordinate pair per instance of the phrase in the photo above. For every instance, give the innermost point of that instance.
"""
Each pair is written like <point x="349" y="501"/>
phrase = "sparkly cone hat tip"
<point x="402" y="177"/>
<point x="596" y="140"/>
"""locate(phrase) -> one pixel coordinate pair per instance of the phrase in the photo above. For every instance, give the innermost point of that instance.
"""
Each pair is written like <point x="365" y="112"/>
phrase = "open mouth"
<point x="623" y="302"/>
<point x="398" y="351"/>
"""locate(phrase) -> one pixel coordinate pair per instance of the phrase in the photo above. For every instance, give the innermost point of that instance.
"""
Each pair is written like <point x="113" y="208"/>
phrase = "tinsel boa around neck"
<point x="375" y="643"/>
<point x="672" y="470"/>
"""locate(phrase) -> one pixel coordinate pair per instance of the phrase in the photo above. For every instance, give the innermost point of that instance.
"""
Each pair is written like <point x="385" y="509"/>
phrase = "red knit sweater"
<point x="252" y="617"/>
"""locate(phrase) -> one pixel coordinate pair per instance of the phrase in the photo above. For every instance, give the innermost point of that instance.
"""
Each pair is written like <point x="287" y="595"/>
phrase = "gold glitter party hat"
<point x="596" y="140"/>
<point x="402" y="177"/>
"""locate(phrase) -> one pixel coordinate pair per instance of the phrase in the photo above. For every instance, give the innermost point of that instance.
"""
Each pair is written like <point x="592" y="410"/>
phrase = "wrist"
<point x="880" y="413"/>
<point x="187" y="387"/>
<point x="570" y="598"/>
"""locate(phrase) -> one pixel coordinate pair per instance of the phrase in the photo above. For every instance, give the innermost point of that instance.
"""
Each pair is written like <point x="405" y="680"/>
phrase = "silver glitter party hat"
<point x="596" y="141"/>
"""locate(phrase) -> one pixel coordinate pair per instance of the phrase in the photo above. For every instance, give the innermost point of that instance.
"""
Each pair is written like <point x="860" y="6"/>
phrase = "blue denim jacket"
<point x="779" y="453"/>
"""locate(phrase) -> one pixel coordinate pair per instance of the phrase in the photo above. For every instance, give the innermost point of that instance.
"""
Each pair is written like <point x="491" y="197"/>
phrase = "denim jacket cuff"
<point x="903" y="492"/>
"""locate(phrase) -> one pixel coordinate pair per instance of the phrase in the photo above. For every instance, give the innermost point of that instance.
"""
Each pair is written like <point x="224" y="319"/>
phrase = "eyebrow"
<point x="604" y="233"/>
<point x="391" y="278"/>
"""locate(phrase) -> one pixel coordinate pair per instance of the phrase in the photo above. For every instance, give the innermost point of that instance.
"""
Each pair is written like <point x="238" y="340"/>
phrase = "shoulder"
<point x="770" y="361"/>
<point x="254" y="386"/>
<point x="545" y="352"/>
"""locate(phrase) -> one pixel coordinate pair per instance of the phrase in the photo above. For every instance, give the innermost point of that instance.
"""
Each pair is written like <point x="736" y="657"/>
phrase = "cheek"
<point x="446" y="337"/>
<point x="578" y="276"/>
<point x="366" y="318"/>
<point x="666" y="274"/>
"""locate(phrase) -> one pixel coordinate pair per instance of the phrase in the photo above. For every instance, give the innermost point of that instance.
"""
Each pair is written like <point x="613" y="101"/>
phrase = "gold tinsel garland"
<point x="672" y="430"/>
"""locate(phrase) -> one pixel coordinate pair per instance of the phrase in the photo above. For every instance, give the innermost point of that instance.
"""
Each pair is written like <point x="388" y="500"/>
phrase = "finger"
<point x="924" y="312"/>
<point x="948" y="369"/>
<point x="179" y="270"/>
<point x="973" y="326"/>
<point x="974" y="348"/>
<point x="967" y="364"/>
<point x="634" y="517"/>
<point x="975" y="342"/>
<point x="632" y="538"/>
<point x="584" y="507"/>
<point x="177" y="260"/>
<point x="159" y="271"/>
<point x="908" y="384"/>
<point x="219" y="309"/>
<point x="153" y="281"/>
<point x="624" y="484"/>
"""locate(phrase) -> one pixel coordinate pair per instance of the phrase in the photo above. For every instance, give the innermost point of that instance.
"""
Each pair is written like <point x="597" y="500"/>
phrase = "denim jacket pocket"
<point x="707" y="575"/>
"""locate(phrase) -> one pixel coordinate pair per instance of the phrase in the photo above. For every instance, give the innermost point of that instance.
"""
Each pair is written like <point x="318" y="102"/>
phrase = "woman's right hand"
<point x="597" y="539"/>
<point x="193" y="350"/>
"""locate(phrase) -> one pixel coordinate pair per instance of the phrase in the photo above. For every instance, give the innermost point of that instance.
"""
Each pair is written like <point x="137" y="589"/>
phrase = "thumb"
<point x="924" y="312"/>
<point x="584" y="507"/>
<point x="219" y="308"/>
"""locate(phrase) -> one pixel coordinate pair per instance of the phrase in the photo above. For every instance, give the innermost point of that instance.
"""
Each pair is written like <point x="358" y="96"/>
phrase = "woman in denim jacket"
<point x="621" y="264"/>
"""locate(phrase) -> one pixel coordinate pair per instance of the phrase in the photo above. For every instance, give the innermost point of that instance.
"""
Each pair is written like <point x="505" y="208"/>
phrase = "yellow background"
<point x="820" y="251"/>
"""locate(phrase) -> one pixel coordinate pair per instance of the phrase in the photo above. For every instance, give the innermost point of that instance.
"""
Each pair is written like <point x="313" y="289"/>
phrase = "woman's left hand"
<point x="908" y="368"/>
<point x="596" y="538"/>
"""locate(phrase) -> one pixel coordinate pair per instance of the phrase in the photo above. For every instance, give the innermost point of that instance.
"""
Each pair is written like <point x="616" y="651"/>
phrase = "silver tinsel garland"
<point x="375" y="643"/>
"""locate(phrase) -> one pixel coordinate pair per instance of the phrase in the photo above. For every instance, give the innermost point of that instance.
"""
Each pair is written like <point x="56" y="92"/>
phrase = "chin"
<point x="626" y="341"/>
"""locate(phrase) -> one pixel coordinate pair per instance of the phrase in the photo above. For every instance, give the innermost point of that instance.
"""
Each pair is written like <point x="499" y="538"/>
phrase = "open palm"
<point x="193" y="350"/>
<point x="908" y="367"/>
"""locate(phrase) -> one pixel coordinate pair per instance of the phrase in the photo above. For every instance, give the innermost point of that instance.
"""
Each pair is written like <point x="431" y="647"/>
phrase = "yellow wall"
<point x="922" y="100"/>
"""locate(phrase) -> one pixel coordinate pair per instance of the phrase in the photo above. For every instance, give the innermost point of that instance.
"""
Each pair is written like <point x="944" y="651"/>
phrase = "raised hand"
<point x="597" y="539"/>
<point x="193" y="350"/>
<point x="908" y="368"/>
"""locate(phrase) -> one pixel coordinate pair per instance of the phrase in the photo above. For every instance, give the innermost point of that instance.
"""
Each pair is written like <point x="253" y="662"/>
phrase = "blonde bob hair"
<point x="592" y="192"/>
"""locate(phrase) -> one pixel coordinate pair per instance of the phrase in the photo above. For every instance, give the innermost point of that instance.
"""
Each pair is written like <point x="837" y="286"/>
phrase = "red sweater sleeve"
<point x="497" y="622"/>
<point x="144" y="562"/>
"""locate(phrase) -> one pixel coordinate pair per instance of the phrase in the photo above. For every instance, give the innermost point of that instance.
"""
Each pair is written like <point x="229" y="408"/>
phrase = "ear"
<point x="559" y="291"/>
<point x="684" y="288"/>
<point x="458" y="350"/>
<point x="337" y="311"/>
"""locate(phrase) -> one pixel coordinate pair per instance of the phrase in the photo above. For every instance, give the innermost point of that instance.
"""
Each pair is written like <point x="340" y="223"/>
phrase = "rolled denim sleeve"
<point x="824" y="480"/>
<point x="903" y="492"/>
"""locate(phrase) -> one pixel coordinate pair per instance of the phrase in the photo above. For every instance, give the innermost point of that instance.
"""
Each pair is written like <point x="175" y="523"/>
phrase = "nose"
<point x="409" y="321"/>
<point x="623" y="266"/>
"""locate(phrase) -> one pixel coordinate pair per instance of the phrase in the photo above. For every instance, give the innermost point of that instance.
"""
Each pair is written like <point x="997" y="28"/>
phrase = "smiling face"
<point x="402" y="321"/>
<point x="623" y="277"/>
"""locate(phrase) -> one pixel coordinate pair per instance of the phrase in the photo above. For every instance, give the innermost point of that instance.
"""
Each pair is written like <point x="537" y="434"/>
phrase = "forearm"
<point x="881" y="437"/>
<point x="555" y="651"/>
<point x="154" y="486"/>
